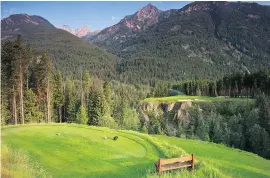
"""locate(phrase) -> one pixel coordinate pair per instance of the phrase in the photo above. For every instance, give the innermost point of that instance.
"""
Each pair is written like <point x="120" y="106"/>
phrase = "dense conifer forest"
<point x="34" y="91"/>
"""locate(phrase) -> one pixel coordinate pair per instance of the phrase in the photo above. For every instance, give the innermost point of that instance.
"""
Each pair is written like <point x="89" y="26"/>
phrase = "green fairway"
<point x="76" y="151"/>
<point x="234" y="162"/>
<point x="195" y="98"/>
<point x="70" y="150"/>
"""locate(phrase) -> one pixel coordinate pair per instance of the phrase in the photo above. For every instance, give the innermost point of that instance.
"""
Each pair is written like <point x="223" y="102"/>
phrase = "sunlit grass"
<point x="71" y="150"/>
<point x="195" y="98"/>
<point x="15" y="163"/>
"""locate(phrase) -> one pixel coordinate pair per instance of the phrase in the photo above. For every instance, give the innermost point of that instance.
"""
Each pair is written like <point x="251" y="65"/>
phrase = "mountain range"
<point x="82" y="32"/>
<point x="68" y="52"/>
<point x="200" y="40"/>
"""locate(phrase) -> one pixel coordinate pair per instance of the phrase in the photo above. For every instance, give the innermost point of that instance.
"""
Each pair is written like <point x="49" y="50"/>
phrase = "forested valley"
<point x="34" y="91"/>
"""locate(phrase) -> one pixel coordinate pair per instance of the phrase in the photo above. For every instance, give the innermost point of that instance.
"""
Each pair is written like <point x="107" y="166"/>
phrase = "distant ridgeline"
<point x="236" y="85"/>
<point x="201" y="40"/>
<point x="33" y="91"/>
<point x="205" y="40"/>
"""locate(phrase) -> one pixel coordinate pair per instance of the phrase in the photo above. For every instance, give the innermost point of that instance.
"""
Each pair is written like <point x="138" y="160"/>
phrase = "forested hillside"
<point x="32" y="90"/>
<point x="201" y="40"/>
<point x="68" y="52"/>
<point x="49" y="75"/>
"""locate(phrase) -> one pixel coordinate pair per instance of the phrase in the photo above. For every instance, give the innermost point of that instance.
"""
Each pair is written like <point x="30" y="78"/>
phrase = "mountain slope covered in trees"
<point x="201" y="40"/>
<point x="130" y="26"/>
<point x="68" y="52"/>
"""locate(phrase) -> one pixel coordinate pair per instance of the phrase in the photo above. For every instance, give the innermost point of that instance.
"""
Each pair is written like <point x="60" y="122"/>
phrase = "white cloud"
<point x="116" y="18"/>
<point x="11" y="10"/>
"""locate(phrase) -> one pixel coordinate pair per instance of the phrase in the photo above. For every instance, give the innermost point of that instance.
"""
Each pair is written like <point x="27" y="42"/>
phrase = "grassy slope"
<point x="81" y="151"/>
<point x="234" y="162"/>
<point x="194" y="98"/>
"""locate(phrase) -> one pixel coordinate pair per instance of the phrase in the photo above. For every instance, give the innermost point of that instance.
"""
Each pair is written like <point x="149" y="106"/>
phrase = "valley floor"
<point x="70" y="150"/>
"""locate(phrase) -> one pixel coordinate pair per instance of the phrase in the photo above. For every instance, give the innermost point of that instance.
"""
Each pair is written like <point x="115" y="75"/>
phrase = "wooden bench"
<point x="175" y="163"/>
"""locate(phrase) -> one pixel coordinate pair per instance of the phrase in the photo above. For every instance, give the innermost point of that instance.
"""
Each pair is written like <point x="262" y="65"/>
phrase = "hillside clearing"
<point x="85" y="152"/>
<point x="195" y="99"/>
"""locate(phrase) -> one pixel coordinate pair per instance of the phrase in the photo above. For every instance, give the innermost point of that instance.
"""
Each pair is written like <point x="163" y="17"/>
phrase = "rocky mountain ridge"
<point x="130" y="25"/>
<point x="80" y="32"/>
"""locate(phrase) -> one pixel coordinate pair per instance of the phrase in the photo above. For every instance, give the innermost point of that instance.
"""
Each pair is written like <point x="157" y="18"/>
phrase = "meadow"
<point x="71" y="150"/>
<point x="196" y="99"/>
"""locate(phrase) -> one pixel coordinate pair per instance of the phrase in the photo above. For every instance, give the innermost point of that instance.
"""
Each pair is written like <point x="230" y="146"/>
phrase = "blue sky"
<point x="95" y="15"/>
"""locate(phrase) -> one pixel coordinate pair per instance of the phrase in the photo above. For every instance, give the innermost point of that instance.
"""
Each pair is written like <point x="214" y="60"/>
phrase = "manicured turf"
<point x="195" y="98"/>
<point x="82" y="152"/>
<point x="233" y="162"/>
<point x="67" y="150"/>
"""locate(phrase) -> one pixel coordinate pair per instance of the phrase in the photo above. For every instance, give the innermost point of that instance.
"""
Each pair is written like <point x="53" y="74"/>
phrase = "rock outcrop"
<point x="176" y="110"/>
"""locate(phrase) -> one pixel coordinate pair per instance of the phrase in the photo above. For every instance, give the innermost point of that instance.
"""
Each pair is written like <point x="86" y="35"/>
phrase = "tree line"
<point x="33" y="91"/>
<point x="235" y="85"/>
<point x="243" y="125"/>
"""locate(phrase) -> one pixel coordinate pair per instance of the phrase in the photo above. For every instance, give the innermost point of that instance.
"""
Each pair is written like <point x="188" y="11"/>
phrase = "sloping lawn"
<point x="70" y="150"/>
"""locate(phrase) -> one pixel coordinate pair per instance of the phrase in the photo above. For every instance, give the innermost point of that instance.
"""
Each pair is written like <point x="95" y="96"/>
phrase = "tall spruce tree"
<point x="95" y="106"/>
<point x="81" y="116"/>
<point x="58" y="94"/>
<point x="70" y="101"/>
<point x="31" y="112"/>
<point x="43" y="75"/>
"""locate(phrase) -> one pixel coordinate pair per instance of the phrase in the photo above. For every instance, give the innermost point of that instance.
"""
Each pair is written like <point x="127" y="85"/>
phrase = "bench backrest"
<point x="175" y="163"/>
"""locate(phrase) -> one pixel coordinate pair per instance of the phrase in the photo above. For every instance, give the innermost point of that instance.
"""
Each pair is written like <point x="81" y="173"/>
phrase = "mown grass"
<point x="195" y="98"/>
<point x="232" y="162"/>
<point x="81" y="151"/>
<point x="70" y="150"/>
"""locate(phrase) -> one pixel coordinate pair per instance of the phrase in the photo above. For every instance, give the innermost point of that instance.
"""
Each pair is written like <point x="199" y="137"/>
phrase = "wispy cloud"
<point x="11" y="10"/>
<point x="116" y="18"/>
<point x="8" y="12"/>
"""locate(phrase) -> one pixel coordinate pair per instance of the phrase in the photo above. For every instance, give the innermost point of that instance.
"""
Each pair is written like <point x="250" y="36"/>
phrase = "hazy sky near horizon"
<point x="96" y="15"/>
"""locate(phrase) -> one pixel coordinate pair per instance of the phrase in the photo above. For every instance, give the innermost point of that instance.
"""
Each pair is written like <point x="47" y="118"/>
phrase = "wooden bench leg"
<point x="193" y="162"/>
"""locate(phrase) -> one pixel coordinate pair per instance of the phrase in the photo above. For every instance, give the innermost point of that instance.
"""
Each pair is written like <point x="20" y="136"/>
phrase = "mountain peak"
<point x="148" y="12"/>
<point x="67" y="28"/>
<point x="149" y="8"/>
<point x="82" y="31"/>
<point x="19" y="19"/>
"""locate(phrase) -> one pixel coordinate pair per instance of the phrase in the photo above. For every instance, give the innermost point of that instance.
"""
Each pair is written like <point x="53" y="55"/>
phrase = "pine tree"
<point x="255" y="138"/>
<point x="43" y="76"/>
<point x="129" y="118"/>
<point x="70" y="96"/>
<point x="107" y="90"/>
<point x="32" y="114"/>
<point x="264" y="112"/>
<point x="58" y="94"/>
<point x="202" y="129"/>
<point x="95" y="107"/>
<point x="81" y="116"/>
<point x="86" y="86"/>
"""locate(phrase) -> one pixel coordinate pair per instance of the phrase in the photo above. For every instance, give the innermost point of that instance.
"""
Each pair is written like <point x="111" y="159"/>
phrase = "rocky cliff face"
<point x="176" y="110"/>
<point x="67" y="28"/>
<point x="130" y="25"/>
<point x="80" y="32"/>
<point x="16" y="21"/>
